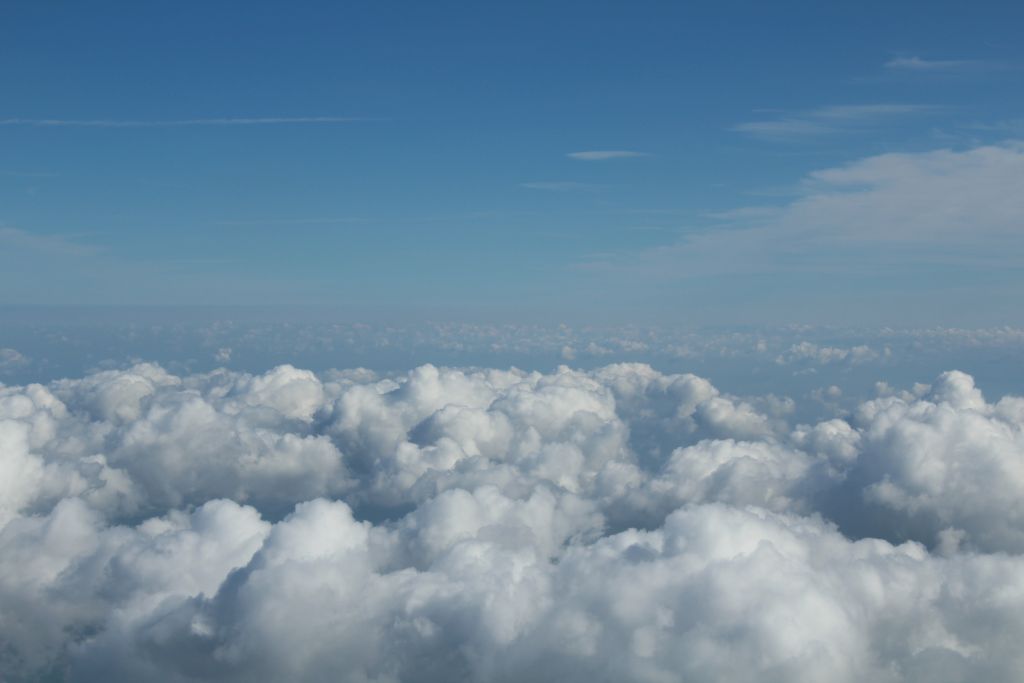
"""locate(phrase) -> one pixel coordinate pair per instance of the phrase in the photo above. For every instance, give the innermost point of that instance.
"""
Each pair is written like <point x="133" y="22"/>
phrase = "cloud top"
<point x="499" y="525"/>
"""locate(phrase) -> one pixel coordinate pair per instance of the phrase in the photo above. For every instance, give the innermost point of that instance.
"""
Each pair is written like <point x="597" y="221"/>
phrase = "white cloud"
<point x="937" y="195"/>
<point x="944" y="207"/>
<point x="823" y="355"/>
<point x="12" y="359"/>
<point x="716" y="593"/>
<point x="482" y="524"/>
<point x="828" y="120"/>
<point x="948" y="461"/>
<point x="917" y="64"/>
<point x="558" y="185"/>
<point x="604" y="155"/>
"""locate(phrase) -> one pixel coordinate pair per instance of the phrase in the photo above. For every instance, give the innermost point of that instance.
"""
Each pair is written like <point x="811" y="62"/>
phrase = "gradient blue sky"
<point x="773" y="162"/>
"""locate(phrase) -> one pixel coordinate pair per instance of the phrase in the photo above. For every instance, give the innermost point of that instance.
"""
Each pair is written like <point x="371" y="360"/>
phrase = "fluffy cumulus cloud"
<point x="948" y="465"/>
<point x="619" y="524"/>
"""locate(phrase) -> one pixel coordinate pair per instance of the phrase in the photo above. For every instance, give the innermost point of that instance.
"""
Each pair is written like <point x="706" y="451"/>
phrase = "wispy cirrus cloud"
<point x="174" y="123"/>
<point x="828" y="120"/>
<point x="946" y="67"/>
<point x="919" y="64"/>
<point x="558" y="186"/>
<point x="605" y="154"/>
<point x="290" y="221"/>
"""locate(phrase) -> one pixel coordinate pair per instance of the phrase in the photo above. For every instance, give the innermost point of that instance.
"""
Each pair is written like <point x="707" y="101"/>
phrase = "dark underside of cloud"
<point x="617" y="524"/>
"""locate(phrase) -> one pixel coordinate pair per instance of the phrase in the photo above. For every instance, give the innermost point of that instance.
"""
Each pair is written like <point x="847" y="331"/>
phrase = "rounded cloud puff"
<point x="490" y="525"/>
<point x="948" y="462"/>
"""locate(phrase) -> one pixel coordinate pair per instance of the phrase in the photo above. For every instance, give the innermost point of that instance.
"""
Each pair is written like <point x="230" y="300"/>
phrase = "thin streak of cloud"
<point x="559" y="186"/>
<point x="860" y="112"/>
<point x="828" y="120"/>
<point x="915" y="64"/>
<point x="918" y="64"/>
<point x="606" y="154"/>
<point x="745" y="213"/>
<point x="290" y="221"/>
<point x="173" y="123"/>
<point x="1013" y="127"/>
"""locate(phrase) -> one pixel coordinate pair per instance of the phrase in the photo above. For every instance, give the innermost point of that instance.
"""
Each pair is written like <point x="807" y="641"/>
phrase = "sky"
<point x="475" y="342"/>
<point x="687" y="163"/>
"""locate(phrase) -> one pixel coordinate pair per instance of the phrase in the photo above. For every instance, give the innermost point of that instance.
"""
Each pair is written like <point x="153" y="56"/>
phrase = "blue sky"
<point x="706" y="163"/>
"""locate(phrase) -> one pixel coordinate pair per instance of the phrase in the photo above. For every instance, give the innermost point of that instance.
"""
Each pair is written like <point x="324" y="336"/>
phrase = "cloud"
<point x="823" y="355"/>
<point x="941" y="195"/>
<point x="175" y="123"/>
<point x="290" y="221"/>
<point x="947" y="463"/>
<point x="558" y="185"/>
<point x="942" y="208"/>
<point x="915" y="64"/>
<point x="828" y="120"/>
<point x="918" y="64"/>
<point x="604" y="155"/>
<point x="12" y="359"/>
<point x="486" y="524"/>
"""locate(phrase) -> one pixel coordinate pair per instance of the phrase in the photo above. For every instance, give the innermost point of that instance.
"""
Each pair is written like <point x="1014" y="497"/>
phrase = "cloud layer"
<point x="499" y="525"/>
